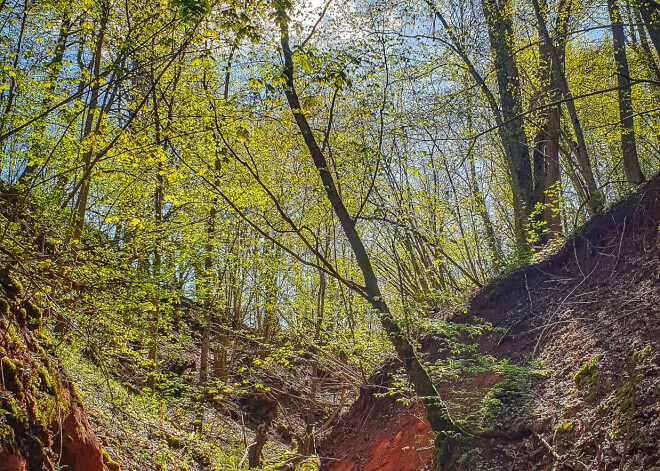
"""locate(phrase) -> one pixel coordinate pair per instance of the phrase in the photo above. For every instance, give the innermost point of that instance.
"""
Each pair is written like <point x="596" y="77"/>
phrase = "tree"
<point x="435" y="409"/>
<point x="650" y="11"/>
<point x="594" y="199"/>
<point x="631" y="167"/>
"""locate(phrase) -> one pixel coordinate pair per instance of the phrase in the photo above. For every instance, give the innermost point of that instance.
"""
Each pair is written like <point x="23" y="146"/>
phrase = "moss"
<point x="46" y="380"/>
<point x="201" y="458"/>
<point x="625" y="394"/>
<point x="561" y="432"/>
<point x="10" y="372"/>
<point x="43" y="356"/>
<point x="4" y="307"/>
<point x="14" y="340"/>
<point x="640" y="355"/>
<point x="7" y="435"/>
<point x="586" y="379"/>
<point x="496" y="402"/>
<point x="75" y="395"/>
<point x="173" y="442"/>
<point x="11" y="414"/>
<point x="15" y="410"/>
<point x="45" y="342"/>
<point x="46" y="409"/>
<point x="311" y="463"/>
<point x="32" y="313"/>
<point x="109" y="463"/>
<point x="624" y="397"/>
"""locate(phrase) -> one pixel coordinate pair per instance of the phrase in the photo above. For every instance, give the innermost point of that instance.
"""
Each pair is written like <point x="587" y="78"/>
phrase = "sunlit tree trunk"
<point x="594" y="198"/>
<point x="92" y="108"/>
<point x="630" y="160"/>
<point x="157" y="266"/>
<point x="546" y="148"/>
<point x="650" y="11"/>
<point x="500" y="32"/>
<point x="646" y="53"/>
<point x="436" y="410"/>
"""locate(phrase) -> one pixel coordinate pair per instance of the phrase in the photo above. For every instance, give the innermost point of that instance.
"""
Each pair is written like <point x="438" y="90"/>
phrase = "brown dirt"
<point x="385" y="435"/>
<point x="596" y="299"/>
<point x="42" y="422"/>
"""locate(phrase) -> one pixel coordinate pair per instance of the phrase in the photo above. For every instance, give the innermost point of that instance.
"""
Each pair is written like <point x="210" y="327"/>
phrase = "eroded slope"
<point x="590" y="315"/>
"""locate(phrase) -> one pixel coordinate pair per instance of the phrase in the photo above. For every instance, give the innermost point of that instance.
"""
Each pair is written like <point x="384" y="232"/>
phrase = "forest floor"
<point x="587" y="319"/>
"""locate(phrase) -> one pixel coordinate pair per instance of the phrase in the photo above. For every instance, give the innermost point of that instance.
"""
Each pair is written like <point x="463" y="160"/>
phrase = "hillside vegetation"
<point x="582" y="327"/>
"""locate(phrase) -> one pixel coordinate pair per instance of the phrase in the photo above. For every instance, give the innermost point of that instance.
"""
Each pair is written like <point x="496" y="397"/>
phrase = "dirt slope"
<point x="43" y="425"/>
<point x="591" y="315"/>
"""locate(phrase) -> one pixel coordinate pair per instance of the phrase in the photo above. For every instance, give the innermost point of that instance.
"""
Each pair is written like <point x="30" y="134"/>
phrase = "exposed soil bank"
<point x="43" y="425"/>
<point x="591" y="315"/>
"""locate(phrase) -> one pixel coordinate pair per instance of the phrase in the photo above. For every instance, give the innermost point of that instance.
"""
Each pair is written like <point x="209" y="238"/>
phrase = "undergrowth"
<point x="140" y="430"/>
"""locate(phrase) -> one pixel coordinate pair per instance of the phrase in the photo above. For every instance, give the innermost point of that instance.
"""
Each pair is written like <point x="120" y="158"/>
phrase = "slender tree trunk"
<point x="646" y="53"/>
<point x="507" y="116"/>
<point x="571" y="170"/>
<point x="496" y="255"/>
<point x="158" y="214"/>
<point x="594" y="199"/>
<point x="81" y="202"/>
<point x="630" y="160"/>
<point x="436" y="410"/>
<point x="546" y="148"/>
<point x="307" y="447"/>
<point x="650" y="11"/>
<point x="495" y="249"/>
<point x="220" y="350"/>
<point x="54" y="67"/>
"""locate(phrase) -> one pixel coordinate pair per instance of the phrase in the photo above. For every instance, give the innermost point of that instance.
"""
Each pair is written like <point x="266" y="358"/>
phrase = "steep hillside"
<point x="43" y="425"/>
<point x="589" y="316"/>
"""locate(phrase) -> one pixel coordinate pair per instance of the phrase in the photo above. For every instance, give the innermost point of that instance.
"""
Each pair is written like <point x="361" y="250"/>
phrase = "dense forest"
<point x="218" y="219"/>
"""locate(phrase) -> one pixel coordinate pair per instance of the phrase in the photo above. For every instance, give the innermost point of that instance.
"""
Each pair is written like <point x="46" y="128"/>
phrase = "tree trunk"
<point x="255" y="451"/>
<point x="54" y="67"/>
<point x="594" y="199"/>
<point x="546" y="148"/>
<point x="494" y="246"/>
<point x="500" y="33"/>
<point x="158" y="214"/>
<point x="650" y="11"/>
<point x="630" y="160"/>
<point x="81" y="202"/>
<point x="436" y="410"/>
<point x="507" y="116"/>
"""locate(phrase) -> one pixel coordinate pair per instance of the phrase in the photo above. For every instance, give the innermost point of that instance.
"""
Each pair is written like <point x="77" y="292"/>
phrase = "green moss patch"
<point x="586" y="379"/>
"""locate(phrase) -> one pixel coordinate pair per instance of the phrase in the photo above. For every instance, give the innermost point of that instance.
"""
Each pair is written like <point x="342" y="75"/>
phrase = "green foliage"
<point x="191" y="8"/>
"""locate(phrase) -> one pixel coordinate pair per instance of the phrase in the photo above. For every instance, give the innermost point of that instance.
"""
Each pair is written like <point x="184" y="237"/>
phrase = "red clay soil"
<point x="42" y="422"/>
<point x="379" y="434"/>
<point x="590" y="314"/>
